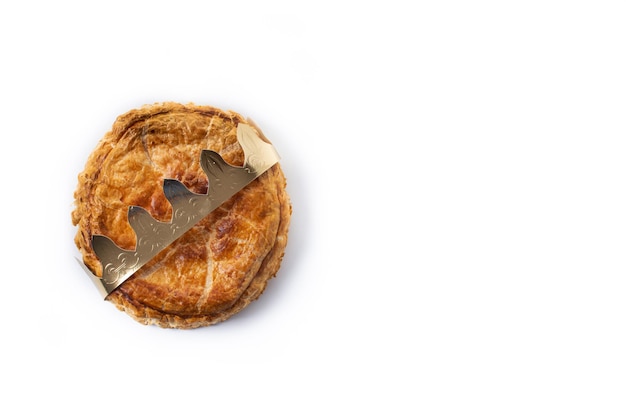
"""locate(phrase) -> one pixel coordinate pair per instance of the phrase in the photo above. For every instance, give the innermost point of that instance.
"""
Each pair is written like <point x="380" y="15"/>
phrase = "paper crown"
<point x="188" y="208"/>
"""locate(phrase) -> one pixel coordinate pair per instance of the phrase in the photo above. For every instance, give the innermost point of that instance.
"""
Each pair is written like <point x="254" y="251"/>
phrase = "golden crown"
<point x="188" y="208"/>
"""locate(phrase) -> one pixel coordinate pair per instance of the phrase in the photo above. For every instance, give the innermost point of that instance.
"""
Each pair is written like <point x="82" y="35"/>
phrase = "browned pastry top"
<point x="223" y="262"/>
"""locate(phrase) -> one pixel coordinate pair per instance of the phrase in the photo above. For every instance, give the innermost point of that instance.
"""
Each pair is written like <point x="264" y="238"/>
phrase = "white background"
<point x="457" y="174"/>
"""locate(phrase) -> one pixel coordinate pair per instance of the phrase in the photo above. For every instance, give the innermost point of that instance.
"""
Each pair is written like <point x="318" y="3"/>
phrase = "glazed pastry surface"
<point x="221" y="264"/>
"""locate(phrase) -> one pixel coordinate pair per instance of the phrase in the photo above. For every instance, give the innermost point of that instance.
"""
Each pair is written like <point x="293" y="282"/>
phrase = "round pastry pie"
<point x="224" y="261"/>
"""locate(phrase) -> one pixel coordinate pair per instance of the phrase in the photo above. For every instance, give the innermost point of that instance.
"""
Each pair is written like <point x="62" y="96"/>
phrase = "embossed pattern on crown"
<point x="188" y="208"/>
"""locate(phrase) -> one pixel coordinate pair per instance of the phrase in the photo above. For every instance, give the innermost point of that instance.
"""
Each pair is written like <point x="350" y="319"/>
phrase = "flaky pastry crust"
<point x="219" y="266"/>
